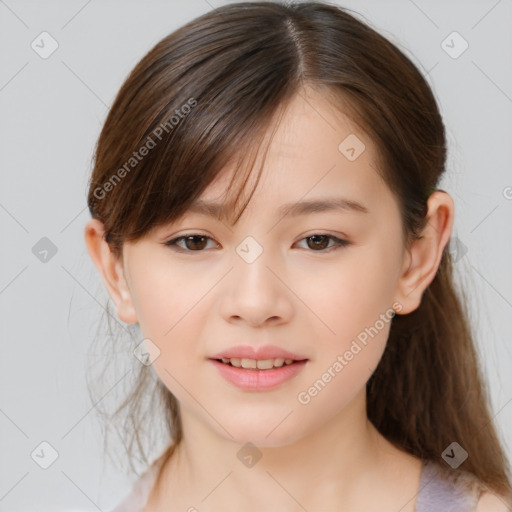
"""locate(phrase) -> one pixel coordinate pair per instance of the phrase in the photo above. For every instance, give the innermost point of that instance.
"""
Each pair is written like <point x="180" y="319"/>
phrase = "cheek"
<point x="166" y="302"/>
<point x="350" y="295"/>
<point x="357" y="311"/>
<point x="169" y="305"/>
<point x="352" y="301"/>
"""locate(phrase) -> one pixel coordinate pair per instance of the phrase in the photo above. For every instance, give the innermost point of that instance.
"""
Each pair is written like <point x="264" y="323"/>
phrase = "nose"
<point x="255" y="291"/>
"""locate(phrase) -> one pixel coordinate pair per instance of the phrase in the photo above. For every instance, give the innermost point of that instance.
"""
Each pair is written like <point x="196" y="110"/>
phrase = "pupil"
<point x="316" y="237"/>
<point x="192" y="238"/>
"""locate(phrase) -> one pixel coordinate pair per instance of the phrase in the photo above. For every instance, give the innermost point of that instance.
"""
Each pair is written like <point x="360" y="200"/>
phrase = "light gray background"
<point x="51" y="115"/>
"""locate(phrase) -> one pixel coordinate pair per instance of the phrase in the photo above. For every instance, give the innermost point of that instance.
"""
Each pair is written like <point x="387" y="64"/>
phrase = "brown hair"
<point x="207" y="94"/>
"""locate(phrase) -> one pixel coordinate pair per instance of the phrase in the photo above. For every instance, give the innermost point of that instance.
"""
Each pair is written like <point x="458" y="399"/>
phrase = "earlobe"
<point x="423" y="257"/>
<point x="110" y="268"/>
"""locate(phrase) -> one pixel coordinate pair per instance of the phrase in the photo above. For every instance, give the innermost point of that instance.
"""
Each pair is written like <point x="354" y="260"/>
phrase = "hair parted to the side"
<point x="207" y="94"/>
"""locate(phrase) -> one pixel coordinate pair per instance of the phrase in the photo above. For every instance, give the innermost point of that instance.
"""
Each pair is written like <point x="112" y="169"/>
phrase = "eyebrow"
<point x="219" y="210"/>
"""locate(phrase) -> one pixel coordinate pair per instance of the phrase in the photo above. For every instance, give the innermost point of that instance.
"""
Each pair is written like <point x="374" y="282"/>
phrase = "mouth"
<point x="257" y="364"/>
<point x="258" y="374"/>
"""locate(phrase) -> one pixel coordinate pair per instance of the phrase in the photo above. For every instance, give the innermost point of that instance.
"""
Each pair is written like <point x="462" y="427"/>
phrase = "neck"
<point x="337" y="464"/>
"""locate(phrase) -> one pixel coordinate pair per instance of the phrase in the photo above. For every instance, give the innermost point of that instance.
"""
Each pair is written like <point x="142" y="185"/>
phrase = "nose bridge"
<point x="251" y="261"/>
<point x="253" y="291"/>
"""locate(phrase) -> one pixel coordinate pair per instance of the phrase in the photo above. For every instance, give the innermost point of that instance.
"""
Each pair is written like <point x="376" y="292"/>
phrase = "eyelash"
<point x="173" y="242"/>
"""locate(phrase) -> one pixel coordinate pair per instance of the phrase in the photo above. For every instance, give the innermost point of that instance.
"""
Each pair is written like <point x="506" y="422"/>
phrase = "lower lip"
<point x="258" y="380"/>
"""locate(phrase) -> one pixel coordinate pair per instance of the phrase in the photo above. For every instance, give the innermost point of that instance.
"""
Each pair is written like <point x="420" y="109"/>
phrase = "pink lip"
<point x="258" y="380"/>
<point x="261" y="353"/>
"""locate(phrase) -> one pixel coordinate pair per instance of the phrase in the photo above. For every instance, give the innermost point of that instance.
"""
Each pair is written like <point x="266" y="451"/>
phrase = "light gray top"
<point x="447" y="489"/>
<point x="441" y="488"/>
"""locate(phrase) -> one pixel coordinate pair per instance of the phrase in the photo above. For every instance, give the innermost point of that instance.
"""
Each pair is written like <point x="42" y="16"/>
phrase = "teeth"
<point x="263" y="364"/>
<point x="248" y="363"/>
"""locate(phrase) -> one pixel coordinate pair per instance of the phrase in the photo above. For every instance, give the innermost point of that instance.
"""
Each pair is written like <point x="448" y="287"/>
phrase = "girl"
<point x="311" y="352"/>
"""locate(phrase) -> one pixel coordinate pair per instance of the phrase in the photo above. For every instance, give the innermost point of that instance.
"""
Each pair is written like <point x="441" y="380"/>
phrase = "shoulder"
<point x="458" y="490"/>
<point x="489" y="502"/>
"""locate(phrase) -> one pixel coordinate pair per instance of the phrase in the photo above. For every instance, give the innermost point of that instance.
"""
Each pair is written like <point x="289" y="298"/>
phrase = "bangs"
<point x="216" y="155"/>
<point x="205" y="97"/>
<point x="193" y="105"/>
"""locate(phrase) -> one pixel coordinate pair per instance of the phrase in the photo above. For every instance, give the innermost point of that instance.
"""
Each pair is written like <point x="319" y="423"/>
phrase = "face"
<point x="321" y="284"/>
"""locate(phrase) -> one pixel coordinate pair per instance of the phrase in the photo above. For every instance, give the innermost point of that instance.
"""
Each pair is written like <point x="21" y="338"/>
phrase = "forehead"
<point x="315" y="151"/>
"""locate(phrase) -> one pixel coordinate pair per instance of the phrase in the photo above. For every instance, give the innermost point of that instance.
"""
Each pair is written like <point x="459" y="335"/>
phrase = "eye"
<point x="319" y="242"/>
<point x="196" y="242"/>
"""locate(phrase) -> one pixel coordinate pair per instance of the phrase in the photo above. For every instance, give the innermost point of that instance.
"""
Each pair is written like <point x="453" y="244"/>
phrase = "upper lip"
<point x="260" y="353"/>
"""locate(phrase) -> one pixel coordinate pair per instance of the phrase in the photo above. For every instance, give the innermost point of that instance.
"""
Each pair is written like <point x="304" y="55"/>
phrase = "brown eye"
<point x="195" y="242"/>
<point x="192" y="243"/>
<point x="320" y="242"/>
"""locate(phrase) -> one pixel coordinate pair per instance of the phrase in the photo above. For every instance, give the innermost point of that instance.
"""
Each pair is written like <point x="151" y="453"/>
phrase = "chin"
<point x="262" y="433"/>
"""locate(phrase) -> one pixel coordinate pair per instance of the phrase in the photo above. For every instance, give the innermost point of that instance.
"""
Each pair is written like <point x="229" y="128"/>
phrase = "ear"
<point x="423" y="257"/>
<point x="111" y="270"/>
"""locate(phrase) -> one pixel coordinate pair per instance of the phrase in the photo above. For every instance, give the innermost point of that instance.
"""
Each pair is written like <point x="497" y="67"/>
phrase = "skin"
<point x="315" y="455"/>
